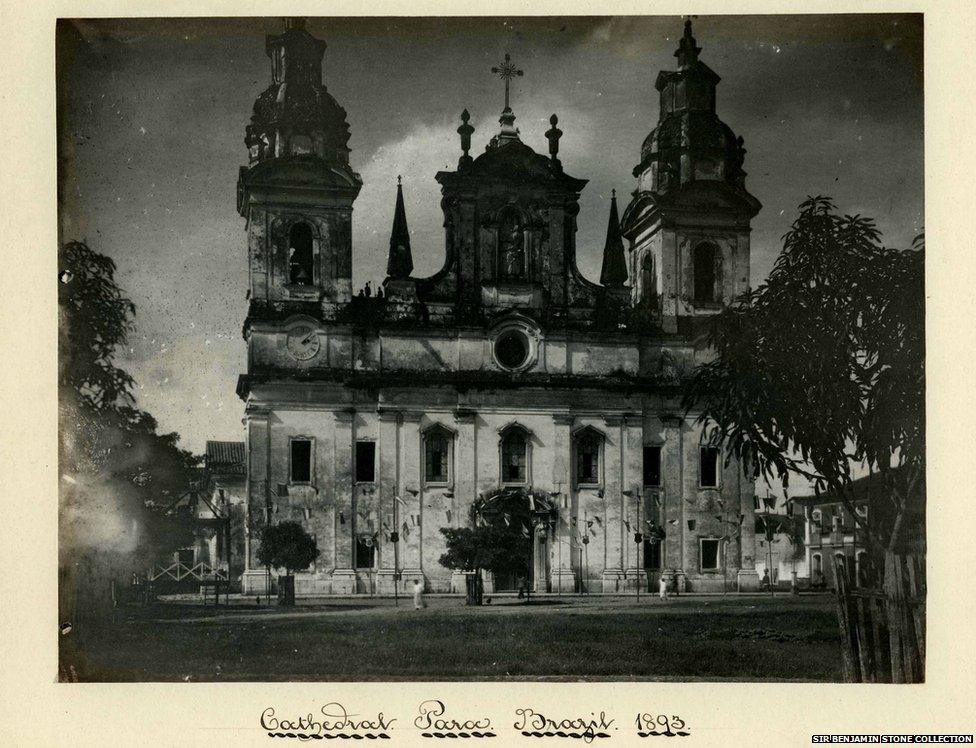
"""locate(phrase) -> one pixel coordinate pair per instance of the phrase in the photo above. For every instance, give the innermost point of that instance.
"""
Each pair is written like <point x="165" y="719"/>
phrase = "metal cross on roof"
<point x="506" y="71"/>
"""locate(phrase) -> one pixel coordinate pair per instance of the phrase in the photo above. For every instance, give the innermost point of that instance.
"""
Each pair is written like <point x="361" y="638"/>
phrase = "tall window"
<point x="588" y="458"/>
<point x="437" y="456"/>
<point x="301" y="460"/>
<point x="708" y="467"/>
<point x="648" y="281"/>
<point x="652" y="466"/>
<point x="365" y="462"/>
<point x="300" y="255"/>
<point x="652" y="555"/>
<point x="709" y="554"/>
<point x="704" y="273"/>
<point x="365" y="552"/>
<point x="515" y="458"/>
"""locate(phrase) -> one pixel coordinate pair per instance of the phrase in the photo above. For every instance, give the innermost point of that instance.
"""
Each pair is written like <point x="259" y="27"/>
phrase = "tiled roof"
<point x="225" y="455"/>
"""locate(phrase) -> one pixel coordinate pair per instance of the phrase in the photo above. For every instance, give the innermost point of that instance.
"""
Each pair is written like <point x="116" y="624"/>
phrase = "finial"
<point x="687" y="52"/>
<point x="399" y="180"/>
<point x="613" y="194"/>
<point x="465" y="131"/>
<point x="553" y="135"/>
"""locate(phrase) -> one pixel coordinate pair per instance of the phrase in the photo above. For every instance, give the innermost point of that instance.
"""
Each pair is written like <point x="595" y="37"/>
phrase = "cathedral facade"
<point x="378" y="420"/>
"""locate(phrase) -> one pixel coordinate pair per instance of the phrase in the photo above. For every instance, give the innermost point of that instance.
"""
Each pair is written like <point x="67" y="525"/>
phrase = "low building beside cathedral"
<point x="377" y="420"/>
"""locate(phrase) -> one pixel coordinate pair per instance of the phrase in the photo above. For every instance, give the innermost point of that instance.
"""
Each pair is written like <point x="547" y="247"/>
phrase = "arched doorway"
<point x="522" y="524"/>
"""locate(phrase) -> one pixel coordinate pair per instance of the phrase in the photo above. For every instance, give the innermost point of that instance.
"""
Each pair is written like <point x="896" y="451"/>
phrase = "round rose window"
<point x="512" y="349"/>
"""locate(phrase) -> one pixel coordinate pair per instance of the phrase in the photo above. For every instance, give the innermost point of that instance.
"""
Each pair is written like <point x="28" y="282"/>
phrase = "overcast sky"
<point x="152" y="117"/>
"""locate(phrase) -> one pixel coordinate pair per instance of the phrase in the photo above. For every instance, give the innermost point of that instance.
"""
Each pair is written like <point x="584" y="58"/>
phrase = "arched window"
<point x="300" y="255"/>
<point x="438" y="442"/>
<point x="704" y="273"/>
<point x="840" y="562"/>
<point x="588" y="444"/>
<point x="515" y="455"/>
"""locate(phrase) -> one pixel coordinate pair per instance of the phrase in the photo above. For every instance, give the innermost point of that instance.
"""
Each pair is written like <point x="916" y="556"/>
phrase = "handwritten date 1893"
<point x="656" y="725"/>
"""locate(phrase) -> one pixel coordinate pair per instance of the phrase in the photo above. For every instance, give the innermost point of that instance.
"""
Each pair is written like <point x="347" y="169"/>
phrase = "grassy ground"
<point x="741" y="638"/>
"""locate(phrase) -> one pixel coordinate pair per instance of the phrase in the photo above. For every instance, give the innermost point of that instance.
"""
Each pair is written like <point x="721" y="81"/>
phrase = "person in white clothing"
<point x="662" y="587"/>
<point x="418" y="595"/>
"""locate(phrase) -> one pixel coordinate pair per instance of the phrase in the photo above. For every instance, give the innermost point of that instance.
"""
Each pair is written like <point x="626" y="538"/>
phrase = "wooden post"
<point x="852" y="671"/>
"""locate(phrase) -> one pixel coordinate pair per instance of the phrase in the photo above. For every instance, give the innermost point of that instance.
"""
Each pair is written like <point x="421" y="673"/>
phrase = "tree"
<point x="821" y="370"/>
<point x="501" y="535"/>
<point x="287" y="546"/>
<point x="119" y="476"/>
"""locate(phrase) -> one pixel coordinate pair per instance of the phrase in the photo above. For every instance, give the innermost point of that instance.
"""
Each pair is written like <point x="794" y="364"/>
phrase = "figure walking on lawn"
<point x="662" y="587"/>
<point x="418" y="595"/>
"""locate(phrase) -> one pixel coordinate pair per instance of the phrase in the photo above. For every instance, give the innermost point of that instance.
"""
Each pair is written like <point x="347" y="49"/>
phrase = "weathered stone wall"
<point x="335" y="508"/>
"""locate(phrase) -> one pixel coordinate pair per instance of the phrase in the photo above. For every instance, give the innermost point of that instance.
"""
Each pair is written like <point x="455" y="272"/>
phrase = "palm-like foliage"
<point x="822" y="367"/>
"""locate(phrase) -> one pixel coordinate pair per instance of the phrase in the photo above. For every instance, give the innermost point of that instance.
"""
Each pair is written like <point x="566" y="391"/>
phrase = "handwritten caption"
<point x="433" y="719"/>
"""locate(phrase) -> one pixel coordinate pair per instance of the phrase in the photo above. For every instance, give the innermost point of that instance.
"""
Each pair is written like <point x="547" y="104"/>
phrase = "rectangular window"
<point x="365" y="552"/>
<point x="301" y="461"/>
<point x="709" y="554"/>
<point x="652" y="466"/>
<point x="708" y="467"/>
<point x="588" y="460"/>
<point x="365" y="462"/>
<point x="436" y="447"/>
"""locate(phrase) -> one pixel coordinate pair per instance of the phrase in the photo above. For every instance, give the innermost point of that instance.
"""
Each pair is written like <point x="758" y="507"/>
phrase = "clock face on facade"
<point x="303" y="342"/>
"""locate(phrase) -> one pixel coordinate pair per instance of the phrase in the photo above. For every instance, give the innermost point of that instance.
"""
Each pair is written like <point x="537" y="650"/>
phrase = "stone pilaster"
<point x="635" y="503"/>
<point x="747" y="579"/>
<point x="389" y="489"/>
<point x="562" y="578"/>
<point x="411" y="510"/>
<point x="613" y="571"/>
<point x="465" y="471"/>
<point x="672" y="495"/>
<point x="344" y="576"/>
<point x="254" y="579"/>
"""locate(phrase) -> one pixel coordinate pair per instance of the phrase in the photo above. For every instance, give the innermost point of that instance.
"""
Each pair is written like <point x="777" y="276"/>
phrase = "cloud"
<point x="417" y="157"/>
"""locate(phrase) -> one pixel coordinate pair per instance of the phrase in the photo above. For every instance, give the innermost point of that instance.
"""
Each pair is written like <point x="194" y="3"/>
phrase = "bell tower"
<point x="688" y="223"/>
<point x="298" y="190"/>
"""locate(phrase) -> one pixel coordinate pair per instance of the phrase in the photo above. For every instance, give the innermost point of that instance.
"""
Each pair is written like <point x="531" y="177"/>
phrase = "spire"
<point x="614" y="272"/>
<point x="687" y="52"/>
<point x="400" y="263"/>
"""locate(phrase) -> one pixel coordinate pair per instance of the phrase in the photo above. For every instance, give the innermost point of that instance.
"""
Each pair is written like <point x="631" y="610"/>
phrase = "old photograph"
<point x="491" y="348"/>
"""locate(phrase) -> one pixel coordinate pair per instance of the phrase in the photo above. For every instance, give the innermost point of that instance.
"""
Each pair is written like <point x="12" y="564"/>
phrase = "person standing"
<point x="662" y="587"/>
<point x="418" y="595"/>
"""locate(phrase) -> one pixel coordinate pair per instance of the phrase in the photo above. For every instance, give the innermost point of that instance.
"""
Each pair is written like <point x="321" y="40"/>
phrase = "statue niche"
<point x="511" y="247"/>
